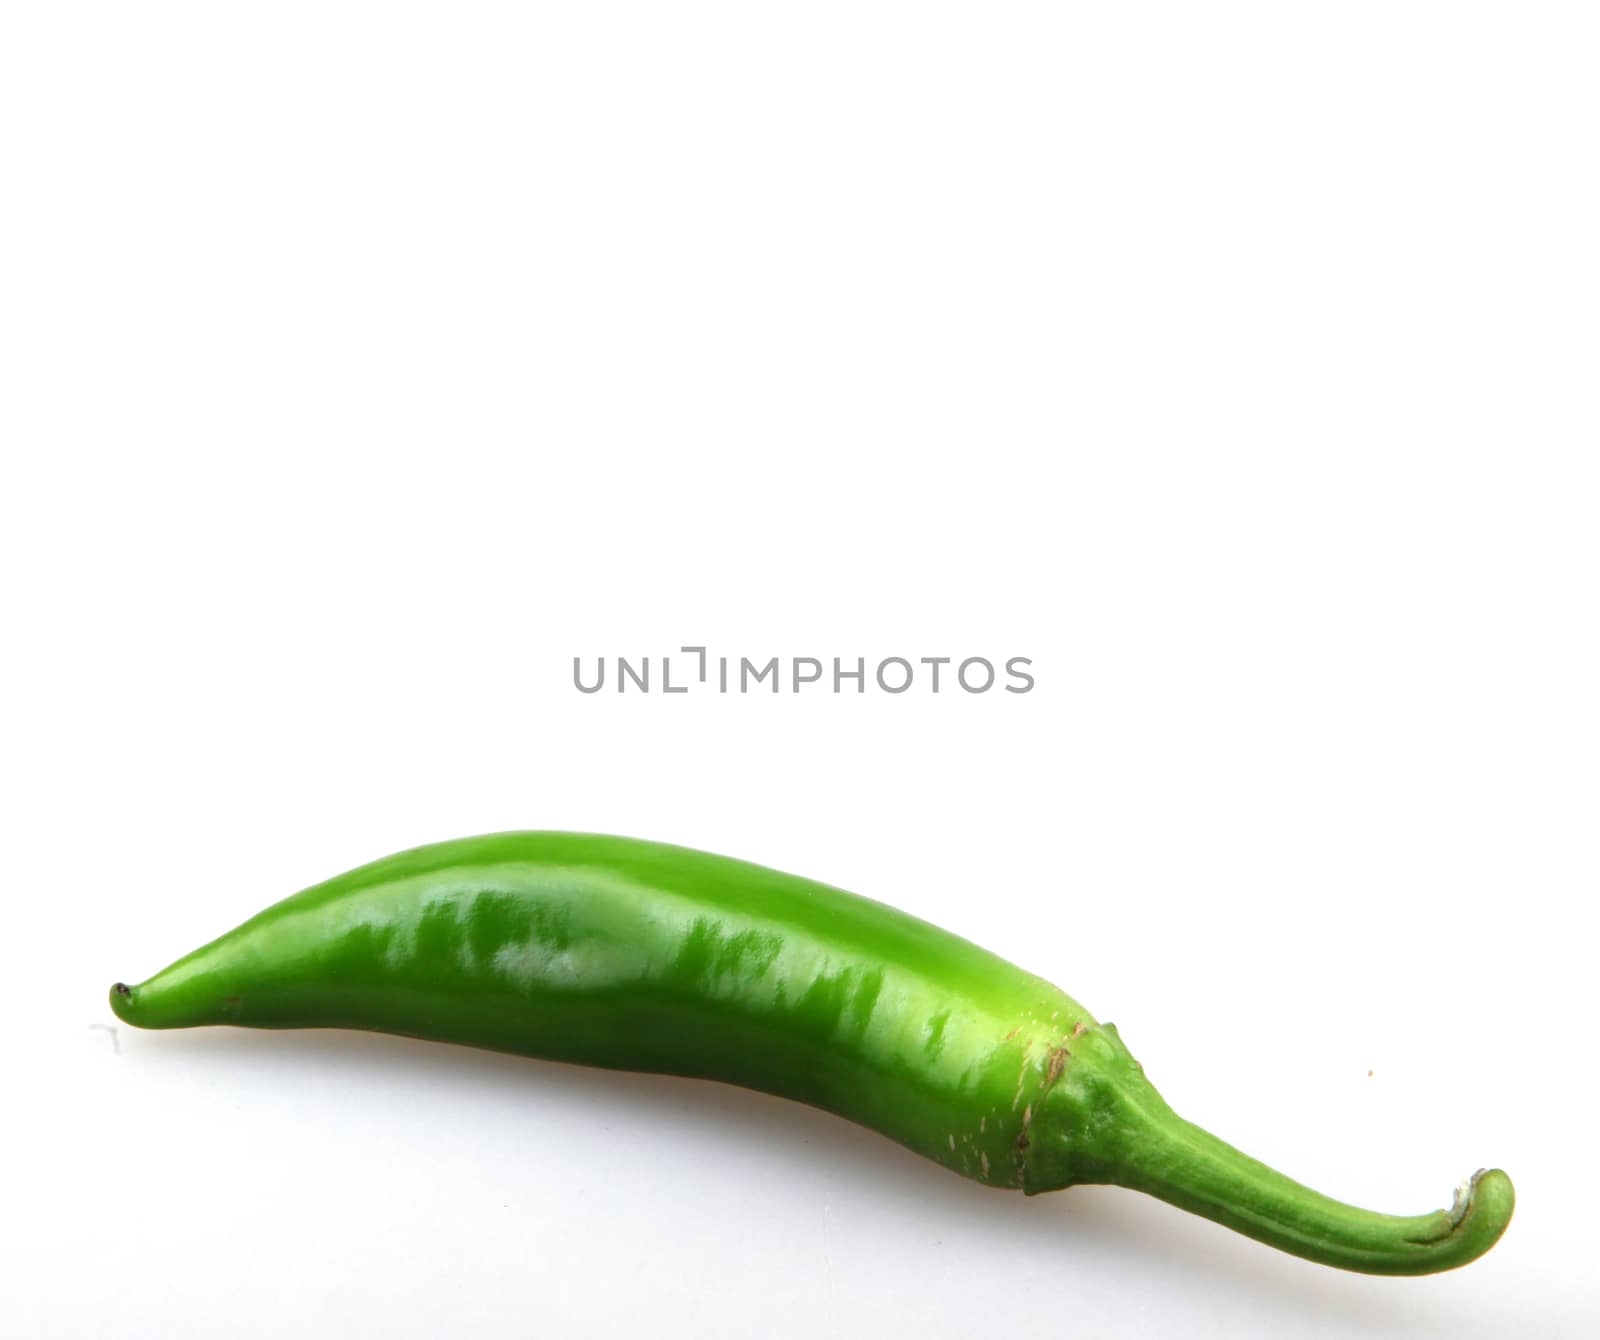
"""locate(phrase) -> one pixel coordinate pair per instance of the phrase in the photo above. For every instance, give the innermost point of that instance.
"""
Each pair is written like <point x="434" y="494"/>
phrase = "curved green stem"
<point x="1105" y="1122"/>
<point x="1192" y="1169"/>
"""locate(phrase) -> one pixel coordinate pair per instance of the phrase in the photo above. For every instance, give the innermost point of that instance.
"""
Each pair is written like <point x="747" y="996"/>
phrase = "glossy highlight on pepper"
<point x="635" y="955"/>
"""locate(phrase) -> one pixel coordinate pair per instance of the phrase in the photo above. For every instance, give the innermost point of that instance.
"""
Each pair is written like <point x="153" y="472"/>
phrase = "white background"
<point x="362" y="364"/>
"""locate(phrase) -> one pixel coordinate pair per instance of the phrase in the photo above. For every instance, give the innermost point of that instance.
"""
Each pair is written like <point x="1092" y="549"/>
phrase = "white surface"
<point x="364" y="364"/>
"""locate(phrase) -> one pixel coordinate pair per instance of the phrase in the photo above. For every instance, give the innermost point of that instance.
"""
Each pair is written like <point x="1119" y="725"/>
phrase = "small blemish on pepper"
<point x="1058" y="1060"/>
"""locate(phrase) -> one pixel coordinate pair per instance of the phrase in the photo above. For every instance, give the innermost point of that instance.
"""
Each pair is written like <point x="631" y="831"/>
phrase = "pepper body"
<point x="643" y="956"/>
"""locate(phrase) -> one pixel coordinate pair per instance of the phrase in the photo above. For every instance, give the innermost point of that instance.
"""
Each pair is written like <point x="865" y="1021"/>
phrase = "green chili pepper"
<point x="640" y="956"/>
